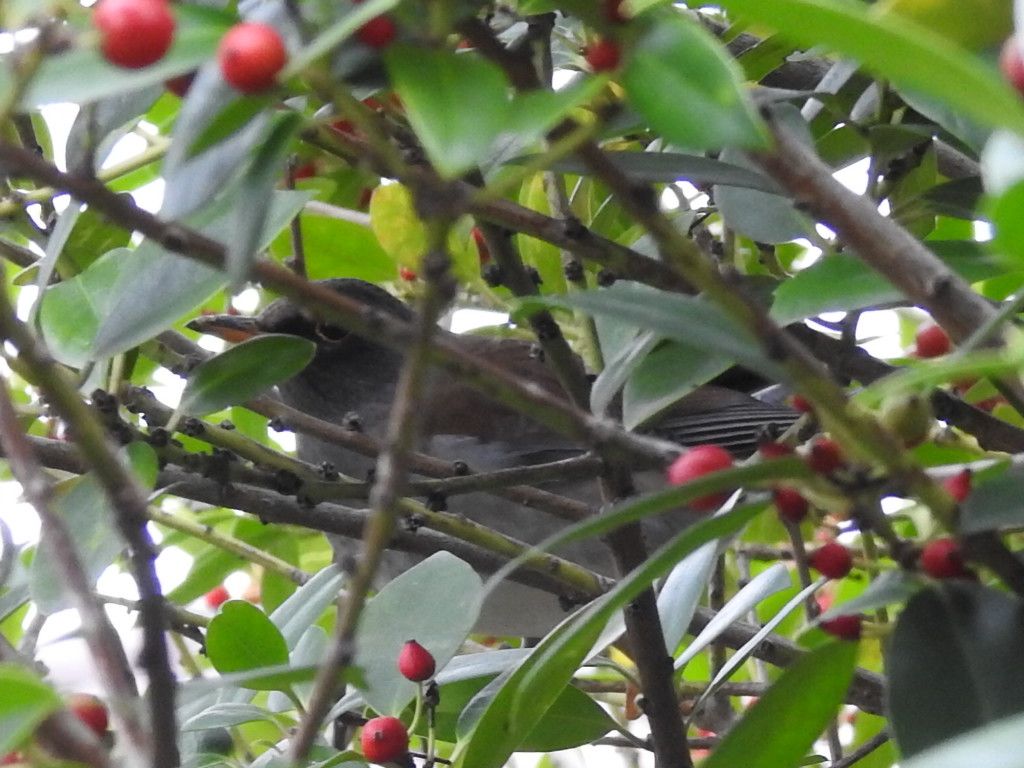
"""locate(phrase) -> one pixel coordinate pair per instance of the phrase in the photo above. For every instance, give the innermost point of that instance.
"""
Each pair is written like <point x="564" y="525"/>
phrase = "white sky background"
<point x="66" y="656"/>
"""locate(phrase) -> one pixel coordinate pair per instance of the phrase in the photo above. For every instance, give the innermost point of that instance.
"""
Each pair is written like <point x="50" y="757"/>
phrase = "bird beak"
<point x="232" y="328"/>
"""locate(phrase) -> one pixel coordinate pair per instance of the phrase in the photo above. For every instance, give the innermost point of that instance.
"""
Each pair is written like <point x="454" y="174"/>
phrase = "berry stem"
<point x="419" y="709"/>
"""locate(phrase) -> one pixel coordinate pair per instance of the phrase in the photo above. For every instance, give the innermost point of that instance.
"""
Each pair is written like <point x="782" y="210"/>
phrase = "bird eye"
<point x="330" y="333"/>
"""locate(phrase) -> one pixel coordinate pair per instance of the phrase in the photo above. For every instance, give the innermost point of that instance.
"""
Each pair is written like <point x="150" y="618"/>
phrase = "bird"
<point x="354" y="375"/>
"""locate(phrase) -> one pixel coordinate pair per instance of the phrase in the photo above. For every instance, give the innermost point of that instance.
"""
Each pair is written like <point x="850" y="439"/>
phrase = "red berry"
<point x="792" y="506"/>
<point x="832" y="560"/>
<point x="134" y="33"/>
<point x="415" y="662"/>
<point x="407" y="274"/>
<point x="844" y="627"/>
<point x="943" y="559"/>
<point x="932" y="341"/>
<point x="11" y="758"/>
<point x="825" y="456"/>
<point x="802" y="404"/>
<point x="603" y="55"/>
<point x="90" y="710"/>
<point x="304" y="171"/>
<point x="770" y="449"/>
<point x="179" y="85"/>
<point x="250" y="55"/>
<point x="217" y="596"/>
<point x="697" y="462"/>
<point x="378" y="32"/>
<point x="384" y="739"/>
<point x="959" y="485"/>
<point x="1011" y="62"/>
<point x="481" y="246"/>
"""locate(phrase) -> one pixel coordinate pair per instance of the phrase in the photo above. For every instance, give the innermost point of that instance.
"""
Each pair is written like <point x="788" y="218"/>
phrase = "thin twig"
<point x="129" y="504"/>
<point x="104" y="645"/>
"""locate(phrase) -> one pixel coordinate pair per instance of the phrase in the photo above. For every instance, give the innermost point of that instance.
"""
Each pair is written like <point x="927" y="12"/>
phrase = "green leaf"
<point x="996" y="745"/>
<point x="843" y="282"/>
<point x="241" y="638"/>
<point x="956" y="643"/>
<point x="280" y="677"/>
<point x="534" y="113"/>
<point x="667" y="374"/>
<point x="27" y="700"/>
<point x="529" y="691"/>
<point x="747" y="649"/>
<point x="574" y="719"/>
<point x="994" y="503"/>
<point x="688" y="320"/>
<point x="682" y="591"/>
<point x="225" y="715"/>
<point x="228" y="122"/>
<point x="208" y="569"/>
<point x="244" y="371"/>
<point x="82" y="75"/>
<point x="783" y="725"/>
<point x="766" y="583"/>
<point x="155" y="288"/>
<point x="457" y="103"/>
<point x="896" y="49"/>
<point x="70" y="312"/>
<point x="255" y="195"/>
<point x="83" y="505"/>
<point x="667" y="167"/>
<point x="335" y="247"/>
<point x="763" y="217"/>
<point x="307" y="603"/>
<point x="435" y="603"/>
<point x="891" y="587"/>
<point x="682" y="82"/>
<point x="398" y="229"/>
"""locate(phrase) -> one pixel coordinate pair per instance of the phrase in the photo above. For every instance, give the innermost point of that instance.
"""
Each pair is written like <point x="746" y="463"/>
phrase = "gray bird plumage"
<point x="350" y="374"/>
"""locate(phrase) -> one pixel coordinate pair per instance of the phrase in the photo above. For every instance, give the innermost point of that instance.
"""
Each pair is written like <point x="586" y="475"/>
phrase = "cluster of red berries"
<point x="137" y="33"/>
<point x="386" y="739"/>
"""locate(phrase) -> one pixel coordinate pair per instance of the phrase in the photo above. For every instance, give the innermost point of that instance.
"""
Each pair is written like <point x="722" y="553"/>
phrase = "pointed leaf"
<point x="996" y="745"/>
<point x="155" y="288"/>
<point x="457" y="103"/>
<point x="26" y="701"/>
<point x="682" y="82"/>
<point x="240" y="638"/>
<point x="783" y="725"/>
<point x="244" y="371"/>
<point x="957" y="642"/>
<point x="766" y="583"/>
<point x="530" y="690"/>
<point x="435" y="603"/>
<point x="255" y="195"/>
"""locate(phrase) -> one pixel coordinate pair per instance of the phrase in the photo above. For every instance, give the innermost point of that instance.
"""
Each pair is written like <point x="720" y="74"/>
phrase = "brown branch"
<point x="403" y="428"/>
<point x="353" y="315"/>
<point x="867" y="692"/>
